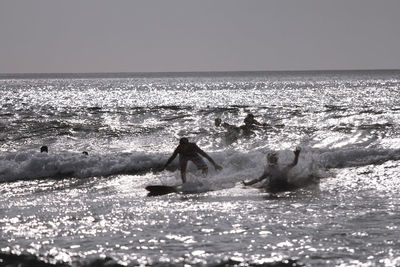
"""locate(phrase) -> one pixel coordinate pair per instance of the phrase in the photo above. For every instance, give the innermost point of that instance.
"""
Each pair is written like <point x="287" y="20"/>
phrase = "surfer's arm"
<point x="256" y="122"/>
<point x="254" y="181"/>
<point x="296" y="157"/>
<point x="172" y="157"/>
<point x="204" y="154"/>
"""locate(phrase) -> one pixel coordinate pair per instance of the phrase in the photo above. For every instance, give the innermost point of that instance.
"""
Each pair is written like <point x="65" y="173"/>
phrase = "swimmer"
<point x="277" y="178"/>
<point x="250" y="120"/>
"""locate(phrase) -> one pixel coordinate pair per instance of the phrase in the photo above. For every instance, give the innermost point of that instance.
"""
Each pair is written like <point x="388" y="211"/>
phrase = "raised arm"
<point x="296" y="157"/>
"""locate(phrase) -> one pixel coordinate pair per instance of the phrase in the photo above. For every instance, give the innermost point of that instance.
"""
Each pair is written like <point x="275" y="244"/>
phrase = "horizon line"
<point x="156" y="73"/>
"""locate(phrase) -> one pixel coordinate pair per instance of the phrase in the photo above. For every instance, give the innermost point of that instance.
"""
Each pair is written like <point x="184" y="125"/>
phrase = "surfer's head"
<point x="44" y="149"/>
<point x="272" y="158"/>
<point x="183" y="141"/>
<point x="249" y="119"/>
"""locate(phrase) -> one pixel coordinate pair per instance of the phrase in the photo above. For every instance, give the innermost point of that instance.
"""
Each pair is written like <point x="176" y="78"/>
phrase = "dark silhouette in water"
<point x="277" y="177"/>
<point x="190" y="151"/>
<point x="44" y="149"/>
<point x="234" y="132"/>
<point x="250" y="124"/>
<point x="250" y="121"/>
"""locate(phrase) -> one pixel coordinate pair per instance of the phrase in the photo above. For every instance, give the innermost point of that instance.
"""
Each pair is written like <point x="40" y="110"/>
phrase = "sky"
<point x="54" y="36"/>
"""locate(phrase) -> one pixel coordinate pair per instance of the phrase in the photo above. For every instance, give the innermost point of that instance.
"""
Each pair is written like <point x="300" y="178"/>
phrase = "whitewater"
<point x="66" y="208"/>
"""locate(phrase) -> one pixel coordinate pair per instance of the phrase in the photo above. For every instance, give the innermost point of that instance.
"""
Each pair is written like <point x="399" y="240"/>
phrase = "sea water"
<point x="67" y="207"/>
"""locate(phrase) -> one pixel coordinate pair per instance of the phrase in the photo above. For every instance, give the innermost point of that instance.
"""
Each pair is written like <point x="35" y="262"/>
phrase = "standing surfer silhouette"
<point x="190" y="152"/>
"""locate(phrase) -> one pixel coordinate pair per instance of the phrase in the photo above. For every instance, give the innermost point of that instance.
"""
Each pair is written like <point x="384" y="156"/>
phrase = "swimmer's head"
<point x="44" y="149"/>
<point x="183" y="141"/>
<point x="249" y="119"/>
<point x="272" y="158"/>
<point x="218" y="122"/>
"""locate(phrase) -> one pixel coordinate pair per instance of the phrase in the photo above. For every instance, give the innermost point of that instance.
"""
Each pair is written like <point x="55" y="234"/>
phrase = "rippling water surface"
<point x="67" y="207"/>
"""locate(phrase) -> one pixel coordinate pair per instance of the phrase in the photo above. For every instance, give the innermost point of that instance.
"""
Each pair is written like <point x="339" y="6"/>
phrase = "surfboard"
<point x="159" y="190"/>
<point x="193" y="187"/>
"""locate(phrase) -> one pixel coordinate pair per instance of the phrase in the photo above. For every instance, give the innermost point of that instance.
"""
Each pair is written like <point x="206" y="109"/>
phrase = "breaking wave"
<point x="32" y="165"/>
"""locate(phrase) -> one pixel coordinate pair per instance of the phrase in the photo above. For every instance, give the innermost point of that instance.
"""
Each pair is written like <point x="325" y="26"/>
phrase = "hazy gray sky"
<point x="204" y="35"/>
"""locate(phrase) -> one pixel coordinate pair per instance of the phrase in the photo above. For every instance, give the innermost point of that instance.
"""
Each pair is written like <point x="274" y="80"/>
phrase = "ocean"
<point x="65" y="208"/>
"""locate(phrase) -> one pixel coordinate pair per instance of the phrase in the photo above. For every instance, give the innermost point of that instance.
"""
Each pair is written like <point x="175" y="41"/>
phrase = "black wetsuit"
<point x="190" y="152"/>
<point x="274" y="179"/>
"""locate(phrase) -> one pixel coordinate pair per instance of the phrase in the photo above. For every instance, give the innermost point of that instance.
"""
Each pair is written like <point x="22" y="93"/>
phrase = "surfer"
<point x="190" y="151"/>
<point x="44" y="149"/>
<point x="250" y="121"/>
<point x="277" y="177"/>
<point x="246" y="130"/>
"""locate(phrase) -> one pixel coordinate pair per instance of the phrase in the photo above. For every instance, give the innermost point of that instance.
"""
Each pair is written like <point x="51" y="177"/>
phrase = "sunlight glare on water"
<point x="68" y="207"/>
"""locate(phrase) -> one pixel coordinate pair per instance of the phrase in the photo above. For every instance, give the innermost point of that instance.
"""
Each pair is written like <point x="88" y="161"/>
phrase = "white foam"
<point x="28" y="165"/>
<point x="237" y="166"/>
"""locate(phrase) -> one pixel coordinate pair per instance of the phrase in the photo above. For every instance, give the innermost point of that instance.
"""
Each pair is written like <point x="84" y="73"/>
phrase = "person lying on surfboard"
<point x="250" y="121"/>
<point x="190" y="151"/>
<point x="250" y="124"/>
<point x="277" y="177"/>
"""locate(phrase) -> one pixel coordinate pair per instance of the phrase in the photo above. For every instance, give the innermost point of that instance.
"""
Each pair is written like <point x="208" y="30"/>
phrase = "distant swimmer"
<point x="277" y="177"/>
<point x="250" y="121"/>
<point x="245" y="130"/>
<point x="85" y="153"/>
<point x="190" y="151"/>
<point x="44" y="149"/>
